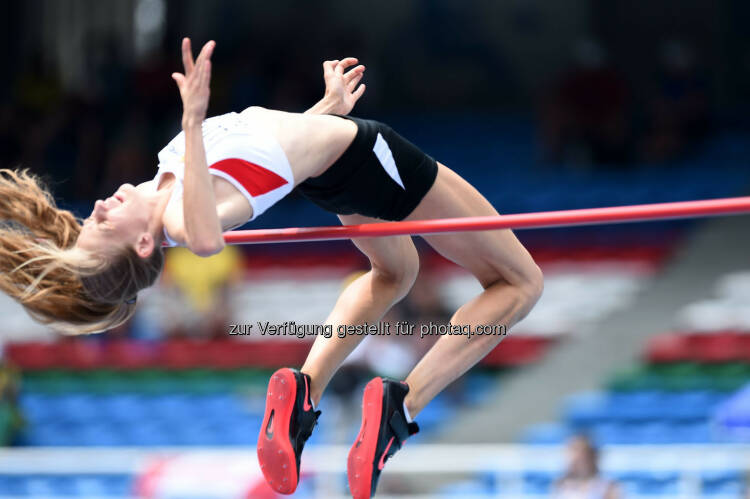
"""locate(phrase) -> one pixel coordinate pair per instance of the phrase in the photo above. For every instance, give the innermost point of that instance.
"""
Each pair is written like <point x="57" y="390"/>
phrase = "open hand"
<point x="341" y="87"/>
<point x="194" y="84"/>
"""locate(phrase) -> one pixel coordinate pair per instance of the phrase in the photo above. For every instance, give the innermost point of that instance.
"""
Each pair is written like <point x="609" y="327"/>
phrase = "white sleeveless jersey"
<point x="239" y="151"/>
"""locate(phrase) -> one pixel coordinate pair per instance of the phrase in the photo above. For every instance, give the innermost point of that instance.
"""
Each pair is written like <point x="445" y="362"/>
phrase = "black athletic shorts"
<point x="380" y="175"/>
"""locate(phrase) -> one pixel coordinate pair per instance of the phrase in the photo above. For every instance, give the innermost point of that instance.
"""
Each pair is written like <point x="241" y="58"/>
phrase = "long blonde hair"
<point x="72" y="290"/>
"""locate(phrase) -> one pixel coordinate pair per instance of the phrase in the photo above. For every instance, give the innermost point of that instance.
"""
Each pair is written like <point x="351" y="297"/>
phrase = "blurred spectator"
<point x="587" y="118"/>
<point x="423" y="305"/>
<point x="204" y="288"/>
<point x="582" y="479"/>
<point x="679" y="114"/>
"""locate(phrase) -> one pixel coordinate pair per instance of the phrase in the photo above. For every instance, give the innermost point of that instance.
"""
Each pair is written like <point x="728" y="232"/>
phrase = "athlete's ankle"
<point x="315" y="392"/>
<point x="411" y="405"/>
<point x="315" y="399"/>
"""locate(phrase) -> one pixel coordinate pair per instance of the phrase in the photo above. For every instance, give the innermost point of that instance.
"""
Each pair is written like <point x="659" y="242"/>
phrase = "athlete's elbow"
<point x="207" y="248"/>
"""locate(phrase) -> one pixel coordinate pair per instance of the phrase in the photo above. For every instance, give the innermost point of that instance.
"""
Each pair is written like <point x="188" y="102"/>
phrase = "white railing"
<point x="425" y="467"/>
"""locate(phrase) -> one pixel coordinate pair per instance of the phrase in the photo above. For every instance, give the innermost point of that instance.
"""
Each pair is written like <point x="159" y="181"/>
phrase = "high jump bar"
<point x="546" y="219"/>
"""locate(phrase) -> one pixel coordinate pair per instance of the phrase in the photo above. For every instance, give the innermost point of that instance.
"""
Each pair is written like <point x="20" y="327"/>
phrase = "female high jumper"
<point x="221" y="172"/>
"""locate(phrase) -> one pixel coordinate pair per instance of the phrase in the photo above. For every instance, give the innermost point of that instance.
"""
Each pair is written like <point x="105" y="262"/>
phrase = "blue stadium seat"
<point x="51" y="485"/>
<point x="474" y="489"/>
<point x="478" y="387"/>
<point x="37" y="406"/>
<point x="126" y="408"/>
<point x="100" y="433"/>
<point x="658" y="484"/>
<point x="13" y="485"/>
<point x="118" y="485"/>
<point x="89" y="486"/>
<point x="538" y="482"/>
<point x="245" y="433"/>
<point x="586" y="409"/>
<point x="647" y="483"/>
<point x="691" y="406"/>
<point x="635" y="406"/>
<point x="614" y="433"/>
<point x="434" y="413"/>
<point x="223" y="404"/>
<point x="77" y="407"/>
<point x="83" y="485"/>
<point x="545" y="433"/>
<point x="655" y="432"/>
<point x="643" y="417"/>
<point x="194" y="432"/>
<point x="53" y="433"/>
<point x="173" y="406"/>
<point x="688" y="432"/>
<point x="723" y="483"/>
<point x="148" y="433"/>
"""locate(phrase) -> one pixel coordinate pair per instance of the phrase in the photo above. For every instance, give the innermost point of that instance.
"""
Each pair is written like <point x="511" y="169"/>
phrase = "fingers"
<point x="348" y="61"/>
<point x="187" y="56"/>
<point x="352" y="84"/>
<point x="354" y="73"/>
<point x="206" y="73"/>
<point x="195" y="78"/>
<point x="179" y="79"/>
<point x="358" y="93"/>
<point x="198" y="71"/>
<point x="206" y="51"/>
<point x="339" y="69"/>
<point x="328" y="66"/>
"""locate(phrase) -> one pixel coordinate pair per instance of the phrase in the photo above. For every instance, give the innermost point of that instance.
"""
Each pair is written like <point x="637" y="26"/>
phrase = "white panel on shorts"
<point x="385" y="156"/>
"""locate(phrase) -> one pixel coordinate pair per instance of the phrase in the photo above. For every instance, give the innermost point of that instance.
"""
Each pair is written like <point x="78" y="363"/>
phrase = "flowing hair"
<point x="73" y="290"/>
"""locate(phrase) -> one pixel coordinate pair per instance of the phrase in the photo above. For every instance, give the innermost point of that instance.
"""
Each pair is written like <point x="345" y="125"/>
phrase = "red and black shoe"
<point x="384" y="430"/>
<point x="287" y="424"/>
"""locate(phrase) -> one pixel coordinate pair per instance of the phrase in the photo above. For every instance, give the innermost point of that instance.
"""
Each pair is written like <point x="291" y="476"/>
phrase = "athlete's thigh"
<point x="393" y="254"/>
<point x="489" y="255"/>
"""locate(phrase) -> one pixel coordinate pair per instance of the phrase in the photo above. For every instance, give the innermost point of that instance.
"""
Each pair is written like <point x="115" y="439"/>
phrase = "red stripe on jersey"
<point x="254" y="178"/>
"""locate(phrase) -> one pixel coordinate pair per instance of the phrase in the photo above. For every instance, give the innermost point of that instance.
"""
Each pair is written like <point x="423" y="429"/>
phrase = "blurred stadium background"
<point x="641" y="340"/>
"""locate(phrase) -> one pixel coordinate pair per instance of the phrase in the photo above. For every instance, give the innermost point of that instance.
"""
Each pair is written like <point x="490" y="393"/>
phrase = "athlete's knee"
<point x="532" y="285"/>
<point x="528" y="285"/>
<point x="399" y="275"/>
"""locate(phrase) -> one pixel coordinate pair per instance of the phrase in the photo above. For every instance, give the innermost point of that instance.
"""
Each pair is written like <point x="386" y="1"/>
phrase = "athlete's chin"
<point x="138" y="197"/>
<point x="128" y="191"/>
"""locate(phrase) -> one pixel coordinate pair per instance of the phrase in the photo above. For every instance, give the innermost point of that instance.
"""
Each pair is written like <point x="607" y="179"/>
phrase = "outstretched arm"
<point x="203" y="234"/>
<point x="341" y="87"/>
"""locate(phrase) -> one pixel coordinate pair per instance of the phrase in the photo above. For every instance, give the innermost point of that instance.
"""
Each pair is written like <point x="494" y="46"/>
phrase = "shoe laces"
<point x="308" y="429"/>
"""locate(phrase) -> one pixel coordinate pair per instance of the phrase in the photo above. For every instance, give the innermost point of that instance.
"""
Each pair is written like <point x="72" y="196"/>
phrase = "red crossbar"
<point x="565" y="218"/>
